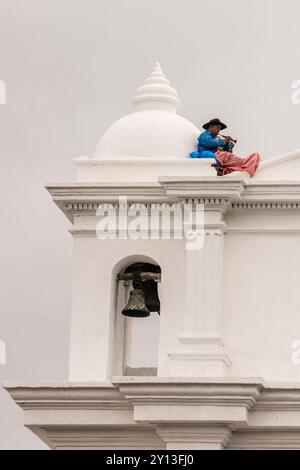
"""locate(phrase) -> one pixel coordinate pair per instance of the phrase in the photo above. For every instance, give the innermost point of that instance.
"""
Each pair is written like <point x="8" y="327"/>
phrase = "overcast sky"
<point x="71" y="68"/>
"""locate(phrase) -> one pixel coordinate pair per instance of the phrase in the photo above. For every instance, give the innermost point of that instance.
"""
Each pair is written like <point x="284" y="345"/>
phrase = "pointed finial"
<point x="156" y="93"/>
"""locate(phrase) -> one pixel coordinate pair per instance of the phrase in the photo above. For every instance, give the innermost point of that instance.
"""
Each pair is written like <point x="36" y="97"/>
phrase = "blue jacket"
<point x="206" y="141"/>
<point x="208" y="145"/>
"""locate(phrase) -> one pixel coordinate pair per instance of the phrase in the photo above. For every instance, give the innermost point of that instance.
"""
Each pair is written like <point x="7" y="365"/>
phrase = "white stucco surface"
<point x="148" y="134"/>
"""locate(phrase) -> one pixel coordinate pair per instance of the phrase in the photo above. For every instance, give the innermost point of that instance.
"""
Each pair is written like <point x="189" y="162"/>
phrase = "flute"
<point x="231" y="140"/>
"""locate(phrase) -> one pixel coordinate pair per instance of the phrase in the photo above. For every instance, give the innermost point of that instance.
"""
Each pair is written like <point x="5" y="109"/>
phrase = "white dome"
<point x="151" y="134"/>
<point x="154" y="130"/>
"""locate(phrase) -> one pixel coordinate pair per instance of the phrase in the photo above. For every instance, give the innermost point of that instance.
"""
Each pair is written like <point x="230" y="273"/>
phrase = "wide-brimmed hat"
<point x="213" y="122"/>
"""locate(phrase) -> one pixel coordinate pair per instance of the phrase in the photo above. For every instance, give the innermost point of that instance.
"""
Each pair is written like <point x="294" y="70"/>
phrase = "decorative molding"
<point x="89" y="437"/>
<point x="263" y="231"/>
<point x="73" y="397"/>
<point x="192" y="392"/>
<point x="206" y="187"/>
<point x="265" y="440"/>
<point x="270" y="191"/>
<point x="209" y="339"/>
<point x="159" y="412"/>
<point x="221" y="194"/>
<point x="260" y="205"/>
<point x="161" y="234"/>
<point x="279" y="399"/>
<point x="206" y="353"/>
<point x="156" y="93"/>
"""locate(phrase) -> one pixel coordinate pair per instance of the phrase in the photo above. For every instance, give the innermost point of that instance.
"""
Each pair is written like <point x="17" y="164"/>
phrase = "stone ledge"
<point x="175" y="412"/>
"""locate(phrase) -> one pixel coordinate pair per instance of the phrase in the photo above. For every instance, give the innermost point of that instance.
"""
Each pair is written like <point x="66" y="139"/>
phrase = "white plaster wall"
<point x="92" y="323"/>
<point x="140" y="169"/>
<point x="261" y="302"/>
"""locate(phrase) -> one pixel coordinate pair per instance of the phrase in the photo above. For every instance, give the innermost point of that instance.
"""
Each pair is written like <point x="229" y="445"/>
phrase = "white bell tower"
<point x="216" y="368"/>
<point x="141" y="165"/>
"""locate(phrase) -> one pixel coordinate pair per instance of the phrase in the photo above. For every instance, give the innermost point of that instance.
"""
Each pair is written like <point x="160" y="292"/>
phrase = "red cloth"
<point x="231" y="162"/>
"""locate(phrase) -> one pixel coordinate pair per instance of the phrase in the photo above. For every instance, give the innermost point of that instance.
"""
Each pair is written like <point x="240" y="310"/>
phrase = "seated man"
<point x="211" y="145"/>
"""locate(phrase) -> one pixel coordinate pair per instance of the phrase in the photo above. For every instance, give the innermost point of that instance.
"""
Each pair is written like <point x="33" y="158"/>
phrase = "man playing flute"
<point x="211" y="145"/>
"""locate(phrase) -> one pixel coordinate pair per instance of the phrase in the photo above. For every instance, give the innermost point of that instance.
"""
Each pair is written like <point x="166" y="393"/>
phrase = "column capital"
<point x="214" y="191"/>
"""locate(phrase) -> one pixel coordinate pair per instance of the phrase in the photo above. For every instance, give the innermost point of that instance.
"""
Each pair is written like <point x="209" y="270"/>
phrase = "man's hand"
<point x="228" y="139"/>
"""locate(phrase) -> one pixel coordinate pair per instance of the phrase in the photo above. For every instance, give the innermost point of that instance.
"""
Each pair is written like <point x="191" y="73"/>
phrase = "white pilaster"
<point x="201" y="351"/>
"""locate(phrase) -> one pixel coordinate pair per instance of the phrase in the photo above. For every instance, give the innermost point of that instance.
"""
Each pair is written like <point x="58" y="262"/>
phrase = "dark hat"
<point x="213" y="122"/>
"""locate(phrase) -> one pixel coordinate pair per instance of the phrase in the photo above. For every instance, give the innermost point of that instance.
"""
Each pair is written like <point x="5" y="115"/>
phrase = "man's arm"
<point x="209" y="142"/>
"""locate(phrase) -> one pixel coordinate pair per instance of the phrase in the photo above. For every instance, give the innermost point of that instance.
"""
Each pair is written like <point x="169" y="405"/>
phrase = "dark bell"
<point x="136" y="306"/>
<point x="143" y="298"/>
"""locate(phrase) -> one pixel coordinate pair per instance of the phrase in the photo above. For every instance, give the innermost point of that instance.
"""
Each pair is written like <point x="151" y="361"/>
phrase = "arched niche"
<point x="136" y="340"/>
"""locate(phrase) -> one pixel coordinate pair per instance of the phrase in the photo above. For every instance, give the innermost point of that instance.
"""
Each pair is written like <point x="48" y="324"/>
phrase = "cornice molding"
<point x="216" y="193"/>
<point x="263" y="231"/>
<point x="266" y="205"/>
<point x="208" y="394"/>
<point x="133" y="411"/>
<point x="105" y="437"/>
<point x="204" y="187"/>
<point x="63" y="397"/>
<point x="265" y="440"/>
<point x="278" y="399"/>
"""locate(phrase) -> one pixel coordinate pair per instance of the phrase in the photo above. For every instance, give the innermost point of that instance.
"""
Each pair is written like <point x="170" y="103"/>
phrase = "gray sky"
<point x="71" y="68"/>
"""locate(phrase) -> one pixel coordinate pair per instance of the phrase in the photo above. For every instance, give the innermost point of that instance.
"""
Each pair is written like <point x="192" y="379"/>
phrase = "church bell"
<point x="136" y="306"/>
<point x="143" y="299"/>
